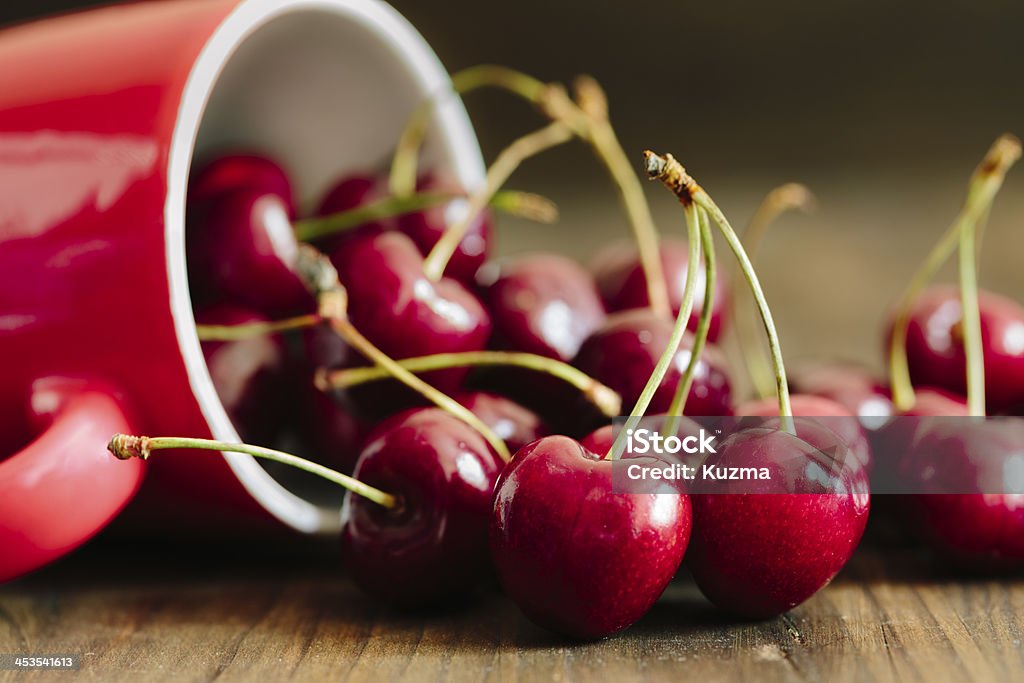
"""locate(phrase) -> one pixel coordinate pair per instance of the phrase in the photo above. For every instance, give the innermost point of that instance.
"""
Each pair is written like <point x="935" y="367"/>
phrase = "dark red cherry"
<point x="514" y="424"/>
<point x="426" y="227"/>
<point x="620" y="279"/>
<point x="848" y="384"/>
<point x="831" y="415"/>
<point x="541" y="303"/>
<point x="330" y="427"/>
<point x="624" y="351"/>
<point x="351" y="192"/>
<point x="248" y="374"/>
<point x="761" y="554"/>
<point x="240" y="172"/>
<point x="935" y="352"/>
<point x="402" y="312"/>
<point x="574" y="556"/>
<point x="241" y="246"/>
<point x="433" y="547"/>
<point x="969" y="505"/>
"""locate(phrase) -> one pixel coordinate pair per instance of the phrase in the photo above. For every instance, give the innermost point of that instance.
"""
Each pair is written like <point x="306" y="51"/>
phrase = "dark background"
<point x="882" y="108"/>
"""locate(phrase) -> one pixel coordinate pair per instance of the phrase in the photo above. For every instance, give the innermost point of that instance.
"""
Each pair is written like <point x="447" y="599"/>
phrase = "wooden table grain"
<point x="190" y="611"/>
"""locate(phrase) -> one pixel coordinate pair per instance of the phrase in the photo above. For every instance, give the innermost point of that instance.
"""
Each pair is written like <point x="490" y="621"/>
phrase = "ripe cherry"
<point x="514" y="424"/>
<point x="623" y="286"/>
<point x="403" y="313"/>
<point x="849" y="385"/>
<point x="935" y="350"/>
<point x="352" y="192"/>
<point x="760" y="554"/>
<point x="574" y="556"/>
<point x="433" y="546"/>
<point x="624" y="351"/>
<point x="240" y="172"/>
<point x="541" y="303"/>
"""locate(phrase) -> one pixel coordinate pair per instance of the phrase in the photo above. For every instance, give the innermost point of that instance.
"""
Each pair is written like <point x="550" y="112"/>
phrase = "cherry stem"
<point x="125" y="447"/>
<point x="974" y="354"/>
<point x="678" y="332"/>
<point x="602" y="396"/>
<point x="981" y="191"/>
<point x="589" y="121"/>
<point x="672" y="174"/>
<point x="507" y="162"/>
<point x="523" y="204"/>
<point x="255" y="329"/>
<point x="333" y="308"/>
<point x="700" y="339"/>
<point x="788" y="197"/>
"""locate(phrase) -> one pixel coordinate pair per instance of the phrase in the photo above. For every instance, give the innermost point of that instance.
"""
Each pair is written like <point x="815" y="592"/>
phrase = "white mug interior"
<point x="325" y="87"/>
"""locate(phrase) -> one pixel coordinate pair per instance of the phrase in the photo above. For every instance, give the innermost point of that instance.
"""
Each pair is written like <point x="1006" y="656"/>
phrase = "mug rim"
<point x="456" y="139"/>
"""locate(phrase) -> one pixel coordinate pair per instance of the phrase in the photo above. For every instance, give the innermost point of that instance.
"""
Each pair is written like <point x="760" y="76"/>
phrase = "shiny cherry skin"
<point x="241" y="246"/>
<point x="513" y="423"/>
<point x="971" y="502"/>
<point x="432" y="549"/>
<point x="541" y="303"/>
<point x="246" y="172"/>
<point x="761" y="554"/>
<point x="425" y="228"/>
<point x="248" y="374"/>
<point x="620" y="279"/>
<point x="848" y="384"/>
<point x="575" y="557"/>
<point x="624" y="351"/>
<point x="833" y="417"/>
<point x="403" y="313"/>
<point x="935" y="351"/>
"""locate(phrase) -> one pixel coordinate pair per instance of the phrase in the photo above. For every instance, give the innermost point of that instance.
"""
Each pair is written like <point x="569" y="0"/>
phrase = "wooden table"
<point x="186" y="611"/>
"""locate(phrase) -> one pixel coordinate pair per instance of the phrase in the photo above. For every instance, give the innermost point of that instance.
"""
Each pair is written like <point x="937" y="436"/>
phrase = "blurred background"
<point x="882" y="108"/>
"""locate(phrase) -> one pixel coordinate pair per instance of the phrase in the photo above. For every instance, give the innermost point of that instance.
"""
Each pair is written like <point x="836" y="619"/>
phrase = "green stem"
<point x="678" y="332"/>
<point x="783" y="198"/>
<point x="971" y="317"/>
<point x="671" y="173"/>
<point x="703" y="325"/>
<point x="124" y="447"/>
<point x="524" y="204"/>
<point x="507" y="162"/>
<point x="333" y="307"/>
<point x="255" y="329"/>
<point x="602" y="396"/>
<point x="982" y="188"/>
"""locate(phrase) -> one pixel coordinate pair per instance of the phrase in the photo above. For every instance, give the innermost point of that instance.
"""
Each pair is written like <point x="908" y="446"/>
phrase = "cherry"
<point x="625" y="350"/>
<point x="623" y="286"/>
<point x="833" y="416"/>
<point x="935" y="350"/>
<point x="241" y="245"/>
<point x="248" y="373"/>
<point x="234" y="172"/>
<point x="514" y="424"/>
<point x="849" y="385"/>
<point x="351" y="192"/>
<point x="575" y="557"/>
<point x="433" y="546"/>
<point x="402" y="312"/>
<point x="761" y="554"/>
<point x="426" y="227"/>
<point x="541" y="303"/>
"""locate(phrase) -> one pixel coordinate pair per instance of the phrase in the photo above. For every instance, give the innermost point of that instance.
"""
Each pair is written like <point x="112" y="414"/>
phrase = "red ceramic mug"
<point x="101" y="116"/>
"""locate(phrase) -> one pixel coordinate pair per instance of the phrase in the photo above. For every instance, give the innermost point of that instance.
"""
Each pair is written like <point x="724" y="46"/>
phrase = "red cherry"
<point x="241" y="245"/>
<point x="248" y="374"/>
<point x="623" y="286"/>
<point x="240" y="172"/>
<point x="403" y="313"/>
<point x="761" y="554"/>
<point x="830" y="414"/>
<point x="514" y="424"/>
<point x="351" y="192"/>
<point x="575" y="557"/>
<point x="541" y="303"/>
<point x="935" y="351"/>
<point x="426" y="227"/>
<point x="624" y="351"/>
<point x="849" y="385"/>
<point x="432" y="548"/>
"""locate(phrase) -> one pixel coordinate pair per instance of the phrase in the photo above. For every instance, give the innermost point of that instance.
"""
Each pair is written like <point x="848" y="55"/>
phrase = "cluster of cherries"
<point x="466" y="403"/>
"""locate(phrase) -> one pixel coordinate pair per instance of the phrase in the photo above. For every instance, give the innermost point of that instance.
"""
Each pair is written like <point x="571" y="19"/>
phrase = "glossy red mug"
<point x="102" y="114"/>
